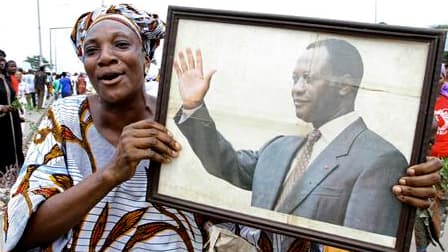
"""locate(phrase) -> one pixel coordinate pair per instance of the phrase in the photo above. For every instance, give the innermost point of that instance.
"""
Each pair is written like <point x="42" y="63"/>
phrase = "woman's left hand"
<point x="141" y="140"/>
<point x="5" y="108"/>
<point x="416" y="188"/>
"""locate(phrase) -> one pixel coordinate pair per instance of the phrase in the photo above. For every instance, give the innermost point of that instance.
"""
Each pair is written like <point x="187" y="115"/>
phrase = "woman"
<point x="84" y="185"/>
<point x="11" y="69"/>
<point x="11" y="155"/>
<point x="95" y="152"/>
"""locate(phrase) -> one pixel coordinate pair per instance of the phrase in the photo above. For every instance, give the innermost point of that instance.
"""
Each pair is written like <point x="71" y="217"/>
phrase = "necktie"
<point x="301" y="163"/>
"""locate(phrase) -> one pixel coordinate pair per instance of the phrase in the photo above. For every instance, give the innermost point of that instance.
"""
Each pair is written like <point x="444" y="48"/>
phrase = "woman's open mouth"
<point x="110" y="78"/>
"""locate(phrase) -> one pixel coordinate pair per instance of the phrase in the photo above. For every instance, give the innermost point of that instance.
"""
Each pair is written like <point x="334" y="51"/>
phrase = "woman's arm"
<point x="61" y="212"/>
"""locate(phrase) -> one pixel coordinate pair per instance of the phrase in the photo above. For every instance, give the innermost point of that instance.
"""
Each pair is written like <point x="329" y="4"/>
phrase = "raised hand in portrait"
<point x="193" y="84"/>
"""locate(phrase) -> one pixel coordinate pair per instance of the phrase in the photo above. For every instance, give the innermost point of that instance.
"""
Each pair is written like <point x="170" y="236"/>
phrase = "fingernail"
<point x="170" y="134"/>
<point x="396" y="189"/>
<point x="174" y="153"/>
<point x="411" y="172"/>
<point x="402" y="182"/>
<point x="177" y="145"/>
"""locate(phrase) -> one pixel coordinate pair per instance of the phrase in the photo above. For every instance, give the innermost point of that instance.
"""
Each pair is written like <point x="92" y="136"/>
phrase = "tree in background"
<point x="35" y="63"/>
<point x="443" y="27"/>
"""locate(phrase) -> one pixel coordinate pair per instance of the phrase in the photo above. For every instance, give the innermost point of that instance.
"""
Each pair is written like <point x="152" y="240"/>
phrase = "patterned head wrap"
<point x="148" y="27"/>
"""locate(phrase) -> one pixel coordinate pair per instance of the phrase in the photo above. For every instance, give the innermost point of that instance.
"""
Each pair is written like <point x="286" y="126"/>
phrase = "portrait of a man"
<point x="341" y="172"/>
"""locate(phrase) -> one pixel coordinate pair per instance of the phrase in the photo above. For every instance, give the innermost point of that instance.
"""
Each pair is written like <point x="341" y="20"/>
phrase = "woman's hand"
<point x="141" y="140"/>
<point x="417" y="187"/>
<point x="5" y="108"/>
<point x="193" y="84"/>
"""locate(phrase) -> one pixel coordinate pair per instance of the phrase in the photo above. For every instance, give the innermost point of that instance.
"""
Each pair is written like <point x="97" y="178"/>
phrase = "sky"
<point x="20" y="29"/>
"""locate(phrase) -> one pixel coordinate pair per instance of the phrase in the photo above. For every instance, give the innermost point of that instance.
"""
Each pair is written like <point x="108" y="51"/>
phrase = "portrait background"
<point x="250" y="102"/>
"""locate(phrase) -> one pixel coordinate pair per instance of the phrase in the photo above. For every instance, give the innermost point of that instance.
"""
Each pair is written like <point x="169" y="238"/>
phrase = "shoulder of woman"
<point x="69" y="104"/>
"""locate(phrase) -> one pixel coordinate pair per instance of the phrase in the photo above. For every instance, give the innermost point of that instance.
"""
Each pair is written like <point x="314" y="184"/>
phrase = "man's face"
<point x="314" y="97"/>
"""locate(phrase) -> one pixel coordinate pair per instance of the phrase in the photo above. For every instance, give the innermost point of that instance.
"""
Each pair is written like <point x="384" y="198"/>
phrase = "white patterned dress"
<point x="121" y="221"/>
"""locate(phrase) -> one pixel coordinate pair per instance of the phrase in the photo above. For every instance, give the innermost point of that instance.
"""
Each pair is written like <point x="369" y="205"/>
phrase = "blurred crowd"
<point x="22" y="91"/>
<point x="35" y="86"/>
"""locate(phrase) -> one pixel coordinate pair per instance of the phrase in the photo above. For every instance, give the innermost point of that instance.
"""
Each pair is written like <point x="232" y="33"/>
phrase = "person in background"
<point x="11" y="69"/>
<point x="11" y="155"/>
<point x="56" y="86"/>
<point x="89" y="161"/>
<point x="430" y="222"/>
<point x="81" y="85"/>
<point x="21" y="93"/>
<point x="73" y="79"/>
<point x="49" y="85"/>
<point x="40" y="82"/>
<point x="22" y="85"/>
<point x="440" y="147"/>
<point x="66" y="85"/>
<point x="30" y="91"/>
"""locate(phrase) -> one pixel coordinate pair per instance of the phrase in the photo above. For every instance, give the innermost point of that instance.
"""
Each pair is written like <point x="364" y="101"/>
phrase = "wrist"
<point x="191" y="105"/>
<point x="108" y="178"/>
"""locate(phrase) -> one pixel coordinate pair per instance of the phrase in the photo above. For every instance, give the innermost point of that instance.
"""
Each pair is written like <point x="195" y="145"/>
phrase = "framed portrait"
<point x="304" y="128"/>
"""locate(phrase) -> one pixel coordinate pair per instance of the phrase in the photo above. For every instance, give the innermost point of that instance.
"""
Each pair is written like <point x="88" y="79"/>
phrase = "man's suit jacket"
<point x="348" y="184"/>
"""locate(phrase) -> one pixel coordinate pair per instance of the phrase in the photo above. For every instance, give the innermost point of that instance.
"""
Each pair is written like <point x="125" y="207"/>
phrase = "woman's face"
<point x="114" y="61"/>
<point x="18" y="76"/>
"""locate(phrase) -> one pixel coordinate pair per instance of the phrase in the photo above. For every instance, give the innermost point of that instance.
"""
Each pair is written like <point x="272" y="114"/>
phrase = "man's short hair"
<point x="2" y="53"/>
<point x="343" y="58"/>
<point x="42" y="68"/>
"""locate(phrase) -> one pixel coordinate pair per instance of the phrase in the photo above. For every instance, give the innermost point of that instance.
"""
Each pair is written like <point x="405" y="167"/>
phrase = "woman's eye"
<point x="295" y="79"/>
<point x="306" y="77"/>
<point x="90" y="50"/>
<point x="122" y="45"/>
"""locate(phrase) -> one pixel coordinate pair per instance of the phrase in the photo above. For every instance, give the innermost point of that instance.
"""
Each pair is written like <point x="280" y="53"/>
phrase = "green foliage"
<point x="441" y="26"/>
<point x="35" y="63"/>
<point x="16" y="104"/>
<point x="33" y="126"/>
<point x="444" y="174"/>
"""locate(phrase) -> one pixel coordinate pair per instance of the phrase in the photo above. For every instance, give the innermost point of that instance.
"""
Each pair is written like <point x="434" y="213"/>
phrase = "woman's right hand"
<point x="193" y="84"/>
<point x="145" y="139"/>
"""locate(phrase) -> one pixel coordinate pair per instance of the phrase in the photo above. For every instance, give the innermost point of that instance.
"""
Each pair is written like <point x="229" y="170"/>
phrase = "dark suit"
<point x="348" y="184"/>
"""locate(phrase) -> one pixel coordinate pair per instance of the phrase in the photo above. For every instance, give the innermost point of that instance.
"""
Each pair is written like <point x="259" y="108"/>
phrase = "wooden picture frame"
<point x="250" y="102"/>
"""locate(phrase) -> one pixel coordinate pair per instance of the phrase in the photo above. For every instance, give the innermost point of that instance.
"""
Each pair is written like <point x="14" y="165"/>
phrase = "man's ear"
<point x="347" y="85"/>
